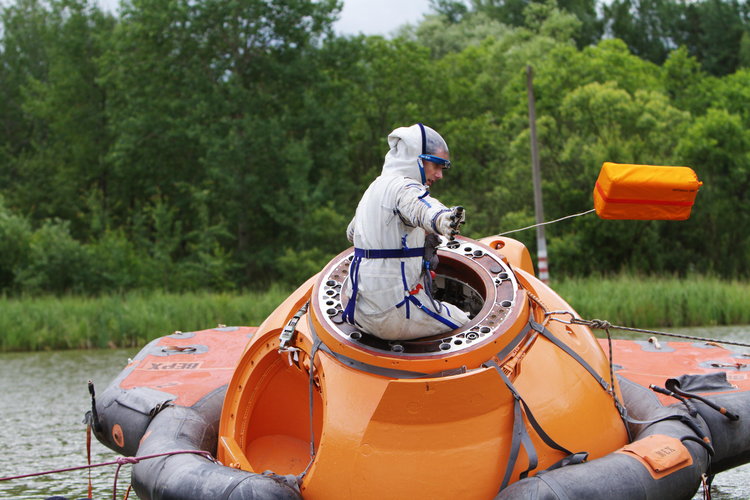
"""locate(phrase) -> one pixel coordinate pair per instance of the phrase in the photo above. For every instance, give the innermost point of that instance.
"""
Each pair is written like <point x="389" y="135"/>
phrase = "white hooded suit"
<point x="388" y="231"/>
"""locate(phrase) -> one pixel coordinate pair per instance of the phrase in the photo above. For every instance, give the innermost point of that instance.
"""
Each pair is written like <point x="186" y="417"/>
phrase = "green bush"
<point x="116" y="264"/>
<point x="56" y="262"/>
<point x="15" y="236"/>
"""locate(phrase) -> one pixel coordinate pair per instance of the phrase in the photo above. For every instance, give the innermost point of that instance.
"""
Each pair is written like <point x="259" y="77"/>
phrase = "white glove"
<point x="449" y="223"/>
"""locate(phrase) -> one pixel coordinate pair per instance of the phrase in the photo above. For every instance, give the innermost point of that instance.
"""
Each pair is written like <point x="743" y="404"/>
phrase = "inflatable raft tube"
<point x="663" y="461"/>
<point x="710" y="423"/>
<point x="185" y="476"/>
<point x="705" y="373"/>
<point x="168" y="399"/>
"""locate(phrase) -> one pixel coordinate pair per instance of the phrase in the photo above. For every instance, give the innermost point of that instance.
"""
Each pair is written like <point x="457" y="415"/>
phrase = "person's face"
<point x="433" y="172"/>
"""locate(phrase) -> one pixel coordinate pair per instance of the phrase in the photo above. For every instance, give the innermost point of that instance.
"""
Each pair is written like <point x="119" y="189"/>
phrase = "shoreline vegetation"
<point x="658" y="301"/>
<point x="133" y="319"/>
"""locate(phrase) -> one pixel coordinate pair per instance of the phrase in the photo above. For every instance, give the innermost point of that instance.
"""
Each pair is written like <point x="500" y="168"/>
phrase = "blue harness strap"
<point x="406" y="289"/>
<point x="394" y="253"/>
<point x="366" y="253"/>
<point x="348" y="314"/>
<point x="409" y="298"/>
<point x="389" y="253"/>
<point x="424" y="150"/>
<point x="429" y="312"/>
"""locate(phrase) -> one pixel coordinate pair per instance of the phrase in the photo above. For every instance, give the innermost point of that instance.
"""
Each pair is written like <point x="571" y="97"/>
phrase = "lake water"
<point x="44" y="396"/>
<point x="42" y="402"/>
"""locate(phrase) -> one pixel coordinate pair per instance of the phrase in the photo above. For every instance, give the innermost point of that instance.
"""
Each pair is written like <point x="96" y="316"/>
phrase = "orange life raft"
<point x="512" y="405"/>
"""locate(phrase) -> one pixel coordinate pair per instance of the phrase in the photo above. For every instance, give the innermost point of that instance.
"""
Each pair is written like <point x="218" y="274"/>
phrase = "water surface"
<point x="43" y="397"/>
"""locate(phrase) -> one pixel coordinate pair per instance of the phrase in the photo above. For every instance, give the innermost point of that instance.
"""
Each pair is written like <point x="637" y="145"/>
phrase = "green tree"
<point x="514" y="13"/>
<point x="443" y="36"/>
<point x="22" y="57"/>
<point x="718" y="144"/>
<point x="452" y="10"/>
<point x="646" y="26"/>
<point x="56" y="262"/>
<point x="712" y="30"/>
<point x="212" y="95"/>
<point x="689" y="87"/>
<point x="67" y="106"/>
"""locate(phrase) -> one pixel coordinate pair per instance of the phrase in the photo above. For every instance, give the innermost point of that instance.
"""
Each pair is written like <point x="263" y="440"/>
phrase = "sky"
<point x="370" y="17"/>
<point x="379" y="17"/>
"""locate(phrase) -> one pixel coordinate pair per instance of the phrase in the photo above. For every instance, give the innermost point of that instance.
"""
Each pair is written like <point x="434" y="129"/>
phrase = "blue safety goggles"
<point x="446" y="164"/>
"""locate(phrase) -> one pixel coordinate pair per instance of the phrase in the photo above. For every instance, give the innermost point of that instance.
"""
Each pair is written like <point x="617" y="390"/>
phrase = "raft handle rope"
<point x="92" y="421"/>
<point x="605" y="325"/>
<point x="119" y="462"/>
<point x="706" y="480"/>
<point x="286" y="337"/>
<point x="95" y="423"/>
<point x="521" y="435"/>
<point x="672" y="389"/>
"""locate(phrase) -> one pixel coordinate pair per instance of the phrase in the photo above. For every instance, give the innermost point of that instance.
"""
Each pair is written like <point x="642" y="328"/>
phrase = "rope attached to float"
<point x="606" y="325"/>
<point x="548" y="222"/>
<point x="120" y="461"/>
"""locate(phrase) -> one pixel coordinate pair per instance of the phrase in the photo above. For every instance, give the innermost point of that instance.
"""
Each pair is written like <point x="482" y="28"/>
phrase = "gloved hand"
<point x="449" y="223"/>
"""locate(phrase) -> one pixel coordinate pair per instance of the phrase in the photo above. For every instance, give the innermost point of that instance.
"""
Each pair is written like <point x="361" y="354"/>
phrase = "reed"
<point x="133" y="319"/>
<point x="127" y="320"/>
<point x="649" y="302"/>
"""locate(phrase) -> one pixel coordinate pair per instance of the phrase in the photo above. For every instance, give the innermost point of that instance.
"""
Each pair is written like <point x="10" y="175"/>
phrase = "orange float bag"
<point x="645" y="192"/>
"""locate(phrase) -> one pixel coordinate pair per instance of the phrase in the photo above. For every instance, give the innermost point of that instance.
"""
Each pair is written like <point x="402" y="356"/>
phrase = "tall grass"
<point x="647" y="301"/>
<point x="127" y="320"/>
<point x="133" y="319"/>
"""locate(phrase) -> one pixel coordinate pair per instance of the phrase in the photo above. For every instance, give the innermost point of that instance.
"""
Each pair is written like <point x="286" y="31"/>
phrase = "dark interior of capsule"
<point x="460" y="285"/>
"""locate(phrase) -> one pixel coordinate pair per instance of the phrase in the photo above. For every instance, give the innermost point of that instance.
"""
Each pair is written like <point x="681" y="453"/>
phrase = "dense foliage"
<point x="224" y="143"/>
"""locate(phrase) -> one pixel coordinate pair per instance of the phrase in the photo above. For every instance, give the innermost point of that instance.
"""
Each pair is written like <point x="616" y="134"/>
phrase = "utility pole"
<point x="541" y="241"/>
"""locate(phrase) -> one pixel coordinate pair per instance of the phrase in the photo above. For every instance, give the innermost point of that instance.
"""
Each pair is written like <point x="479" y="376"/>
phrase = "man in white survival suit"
<point x="388" y="295"/>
